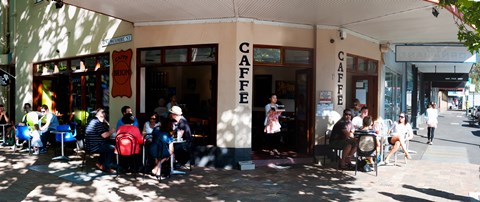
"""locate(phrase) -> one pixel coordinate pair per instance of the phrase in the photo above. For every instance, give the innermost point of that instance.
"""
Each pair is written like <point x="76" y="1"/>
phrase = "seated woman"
<point x="397" y="139"/>
<point x="149" y="126"/>
<point x="128" y="127"/>
<point x="161" y="147"/>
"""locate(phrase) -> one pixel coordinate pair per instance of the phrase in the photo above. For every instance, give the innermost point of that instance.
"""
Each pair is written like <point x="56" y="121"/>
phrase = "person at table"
<point x="30" y="118"/>
<point x="126" y="110"/>
<point x="181" y="129"/>
<point x="368" y="126"/>
<point x="357" y="121"/>
<point x="4" y="119"/>
<point x="161" y="110"/>
<point x="173" y="102"/>
<point x="161" y="148"/>
<point x="398" y="131"/>
<point x="51" y="123"/>
<point x="98" y="134"/>
<point x="342" y="137"/>
<point x="150" y="125"/>
<point x="128" y="119"/>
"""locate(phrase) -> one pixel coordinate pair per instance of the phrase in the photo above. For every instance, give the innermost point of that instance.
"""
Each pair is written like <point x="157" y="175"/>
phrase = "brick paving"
<point x="440" y="177"/>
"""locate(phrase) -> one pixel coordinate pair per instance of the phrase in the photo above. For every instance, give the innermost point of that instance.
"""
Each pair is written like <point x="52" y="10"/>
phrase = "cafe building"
<point x="222" y="71"/>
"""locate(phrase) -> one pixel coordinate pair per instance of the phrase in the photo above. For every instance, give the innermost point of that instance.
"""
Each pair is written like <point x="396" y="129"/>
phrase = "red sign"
<point x="122" y="73"/>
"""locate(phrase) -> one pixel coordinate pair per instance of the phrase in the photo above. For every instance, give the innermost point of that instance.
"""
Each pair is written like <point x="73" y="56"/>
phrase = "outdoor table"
<point x="172" y="160"/>
<point x="62" y="133"/>
<point x="3" y="133"/>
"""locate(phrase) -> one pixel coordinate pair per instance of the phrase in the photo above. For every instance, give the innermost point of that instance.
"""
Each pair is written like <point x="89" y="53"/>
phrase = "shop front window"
<point x="70" y="85"/>
<point x="393" y="94"/>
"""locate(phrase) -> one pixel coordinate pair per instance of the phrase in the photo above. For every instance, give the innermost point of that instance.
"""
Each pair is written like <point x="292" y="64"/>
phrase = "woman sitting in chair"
<point x="399" y="131"/>
<point x="161" y="147"/>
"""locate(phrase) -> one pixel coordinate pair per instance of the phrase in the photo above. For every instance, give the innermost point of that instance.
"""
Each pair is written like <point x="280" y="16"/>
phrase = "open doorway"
<point x="293" y="87"/>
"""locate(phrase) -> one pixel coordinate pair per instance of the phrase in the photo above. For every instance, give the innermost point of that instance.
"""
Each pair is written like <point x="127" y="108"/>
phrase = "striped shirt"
<point x="93" y="137"/>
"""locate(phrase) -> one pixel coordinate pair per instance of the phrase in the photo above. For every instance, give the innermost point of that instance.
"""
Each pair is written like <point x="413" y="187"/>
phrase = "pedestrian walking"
<point x="431" y="116"/>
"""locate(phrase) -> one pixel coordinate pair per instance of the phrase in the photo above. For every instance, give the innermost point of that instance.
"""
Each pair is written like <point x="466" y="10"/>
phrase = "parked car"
<point x="474" y="112"/>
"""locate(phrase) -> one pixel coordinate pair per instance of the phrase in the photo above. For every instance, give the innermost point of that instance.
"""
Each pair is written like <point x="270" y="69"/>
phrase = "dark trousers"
<point x="272" y="140"/>
<point x="430" y="133"/>
<point x="47" y="137"/>
<point x="106" y="155"/>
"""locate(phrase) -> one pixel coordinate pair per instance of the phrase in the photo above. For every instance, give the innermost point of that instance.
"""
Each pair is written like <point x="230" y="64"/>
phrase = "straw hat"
<point x="176" y="110"/>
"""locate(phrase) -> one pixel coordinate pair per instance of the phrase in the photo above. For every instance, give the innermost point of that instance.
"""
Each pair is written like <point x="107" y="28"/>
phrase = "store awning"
<point x="393" y="21"/>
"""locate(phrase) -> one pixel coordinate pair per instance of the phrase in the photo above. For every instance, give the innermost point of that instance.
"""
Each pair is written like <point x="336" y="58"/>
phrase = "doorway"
<point x="293" y="87"/>
<point x="365" y="90"/>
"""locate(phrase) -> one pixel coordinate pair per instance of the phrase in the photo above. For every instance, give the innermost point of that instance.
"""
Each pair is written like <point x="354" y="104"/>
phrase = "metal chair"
<point x="367" y="145"/>
<point x="23" y="133"/>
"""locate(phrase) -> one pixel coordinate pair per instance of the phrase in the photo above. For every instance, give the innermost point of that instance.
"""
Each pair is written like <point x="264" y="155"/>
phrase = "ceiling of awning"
<point x="406" y="21"/>
<point x="392" y="21"/>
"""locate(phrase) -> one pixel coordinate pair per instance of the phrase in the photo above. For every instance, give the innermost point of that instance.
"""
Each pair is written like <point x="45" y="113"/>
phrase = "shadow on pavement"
<point x="399" y="197"/>
<point x="439" y="193"/>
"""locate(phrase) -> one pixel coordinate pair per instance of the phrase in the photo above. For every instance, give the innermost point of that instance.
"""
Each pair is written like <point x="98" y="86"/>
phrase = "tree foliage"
<point x="469" y="22"/>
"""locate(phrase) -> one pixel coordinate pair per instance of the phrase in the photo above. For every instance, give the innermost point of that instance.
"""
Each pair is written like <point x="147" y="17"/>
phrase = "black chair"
<point x="330" y="149"/>
<point x="125" y="145"/>
<point x="85" y="146"/>
<point x="367" y="146"/>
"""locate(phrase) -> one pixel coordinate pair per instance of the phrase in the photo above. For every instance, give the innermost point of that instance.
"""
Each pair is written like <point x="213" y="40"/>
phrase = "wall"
<point x="328" y="47"/>
<point x="70" y="30"/>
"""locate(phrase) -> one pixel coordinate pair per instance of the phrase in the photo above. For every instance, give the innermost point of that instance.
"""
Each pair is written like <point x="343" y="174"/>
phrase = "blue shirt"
<point x="120" y="123"/>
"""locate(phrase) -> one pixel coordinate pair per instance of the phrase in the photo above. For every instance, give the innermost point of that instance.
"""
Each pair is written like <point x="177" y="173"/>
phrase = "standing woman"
<point x="431" y="120"/>
<point x="272" y="125"/>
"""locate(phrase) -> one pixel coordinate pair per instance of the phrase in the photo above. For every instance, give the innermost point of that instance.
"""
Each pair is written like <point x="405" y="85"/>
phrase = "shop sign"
<point x="122" y="73"/>
<point x="116" y="40"/>
<point x="244" y="68"/>
<point x="340" y="77"/>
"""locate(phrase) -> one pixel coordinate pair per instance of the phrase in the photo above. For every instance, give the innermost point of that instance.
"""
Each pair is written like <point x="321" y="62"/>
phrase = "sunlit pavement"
<point x="449" y="170"/>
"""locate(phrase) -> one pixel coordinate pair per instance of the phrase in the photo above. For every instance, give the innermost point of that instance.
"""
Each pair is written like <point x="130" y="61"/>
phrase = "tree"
<point x="468" y="21"/>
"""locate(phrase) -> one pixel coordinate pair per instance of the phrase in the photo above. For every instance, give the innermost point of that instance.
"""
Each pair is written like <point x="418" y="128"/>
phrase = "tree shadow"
<point x="439" y="193"/>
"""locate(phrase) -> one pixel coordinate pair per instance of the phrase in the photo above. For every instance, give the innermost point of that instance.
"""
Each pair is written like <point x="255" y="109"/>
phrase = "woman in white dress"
<point x="431" y="121"/>
<point x="400" y="130"/>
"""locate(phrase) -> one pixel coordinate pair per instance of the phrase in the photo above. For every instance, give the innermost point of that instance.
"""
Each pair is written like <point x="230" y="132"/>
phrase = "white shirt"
<point x="401" y="129"/>
<point x="431" y="116"/>
<point x="357" y="122"/>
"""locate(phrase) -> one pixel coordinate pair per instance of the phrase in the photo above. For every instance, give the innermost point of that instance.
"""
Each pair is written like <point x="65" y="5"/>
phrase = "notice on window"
<point x="324" y="109"/>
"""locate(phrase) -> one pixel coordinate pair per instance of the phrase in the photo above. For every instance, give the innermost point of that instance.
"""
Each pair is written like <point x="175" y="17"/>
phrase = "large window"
<point x="74" y="84"/>
<point x="393" y="94"/>
<point x="186" y="72"/>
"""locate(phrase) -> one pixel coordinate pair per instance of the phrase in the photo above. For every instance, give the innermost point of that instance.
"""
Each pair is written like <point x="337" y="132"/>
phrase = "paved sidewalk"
<point x="449" y="170"/>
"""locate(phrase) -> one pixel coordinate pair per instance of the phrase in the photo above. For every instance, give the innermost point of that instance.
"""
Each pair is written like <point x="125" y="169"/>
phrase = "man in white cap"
<point x="182" y="129"/>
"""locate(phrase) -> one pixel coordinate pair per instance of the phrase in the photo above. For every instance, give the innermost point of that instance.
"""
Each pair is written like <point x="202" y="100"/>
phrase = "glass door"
<point x="302" y="114"/>
<point x="365" y="90"/>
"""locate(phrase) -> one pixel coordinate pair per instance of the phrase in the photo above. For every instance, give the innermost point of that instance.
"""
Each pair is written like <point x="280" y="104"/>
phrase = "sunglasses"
<point x="152" y="118"/>
<point x="42" y="111"/>
<point x="401" y="116"/>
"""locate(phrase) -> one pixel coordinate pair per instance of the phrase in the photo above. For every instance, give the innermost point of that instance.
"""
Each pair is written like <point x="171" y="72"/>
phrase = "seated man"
<point x="98" y="134"/>
<point x="343" y="138"/>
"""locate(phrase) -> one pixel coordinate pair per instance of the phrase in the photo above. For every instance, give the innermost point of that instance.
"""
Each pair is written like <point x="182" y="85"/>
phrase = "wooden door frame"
<point x="372" y="97"/>
<point x="309" y="105"/>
